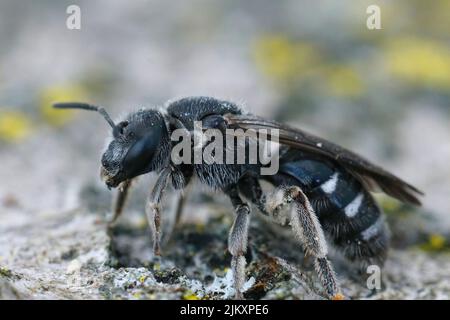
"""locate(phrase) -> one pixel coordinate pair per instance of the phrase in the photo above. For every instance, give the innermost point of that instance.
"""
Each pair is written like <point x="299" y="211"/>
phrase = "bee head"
<point x="139" y="144"/>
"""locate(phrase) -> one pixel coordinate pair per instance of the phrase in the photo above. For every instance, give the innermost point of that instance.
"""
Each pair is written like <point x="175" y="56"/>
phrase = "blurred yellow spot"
<point x="136" y="295"/>
<point x="200" y="227"/>
<point x="14" y="126"/>
<point x="5" y="272"/>
<point x="436" y="241"/>
<point x="54" y="94"/>
<point x="189" y="295"/>
<point x="390" y="204"/>
<point x="142" y="279"/>
<point x="142" y="223"/>
<point x="421" y="62"/>
<point x="344" y="81"/>
<point x="282" y="59"/>
<point x="156" y="267"/>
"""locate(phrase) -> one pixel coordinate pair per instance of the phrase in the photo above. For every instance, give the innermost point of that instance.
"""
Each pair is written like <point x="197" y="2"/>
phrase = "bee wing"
<point x="366" y="172"/>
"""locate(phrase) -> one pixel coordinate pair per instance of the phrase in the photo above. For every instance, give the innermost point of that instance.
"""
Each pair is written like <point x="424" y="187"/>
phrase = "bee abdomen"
<point x="347" y="212"/>
<point x="331" y="191"/>
<point x="359" y="230"/>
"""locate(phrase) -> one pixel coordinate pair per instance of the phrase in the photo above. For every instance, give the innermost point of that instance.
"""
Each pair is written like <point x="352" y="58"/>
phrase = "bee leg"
<point x="119" y="202"/>
<point x="237" y="241"/>
<point x="180" y="206"/>
<point x="152" y="209"/>
<point x="307" y="228"/>
<point x="304" y="223"/>
<point x="269" y="204"/>
<point x="176" y="216"/>
<point x="180" y="185"/>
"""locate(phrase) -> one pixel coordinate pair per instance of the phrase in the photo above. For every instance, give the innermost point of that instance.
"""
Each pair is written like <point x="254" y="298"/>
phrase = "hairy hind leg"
<point x="237" y="240"/>
<point x="307" y="228"/>
<point x="305" y="225"/>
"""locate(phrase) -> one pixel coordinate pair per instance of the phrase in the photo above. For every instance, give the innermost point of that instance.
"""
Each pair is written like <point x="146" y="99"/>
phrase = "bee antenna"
<point x="85" y="106"/>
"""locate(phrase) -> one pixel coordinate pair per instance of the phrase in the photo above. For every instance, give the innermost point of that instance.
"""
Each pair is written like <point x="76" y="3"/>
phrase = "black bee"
<point x="327" y="185"/>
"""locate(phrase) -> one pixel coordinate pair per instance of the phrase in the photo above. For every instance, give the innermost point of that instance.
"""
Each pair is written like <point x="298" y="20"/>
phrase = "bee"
<point x="326" y="188"/>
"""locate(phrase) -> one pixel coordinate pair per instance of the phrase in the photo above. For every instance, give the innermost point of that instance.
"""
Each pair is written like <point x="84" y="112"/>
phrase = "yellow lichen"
<point x="189" y="295"/>
<point x="282" y="59"/>
<point x="436" y="241"/>
<point x="137" y="295"/>
<point x="344" y="81"/>
<point x="156" y="267"/>
<point x="200" y="227"/>
<point x="14" y="126"/>
<point x="419" y="61"/>
<point x="5" y="272"/>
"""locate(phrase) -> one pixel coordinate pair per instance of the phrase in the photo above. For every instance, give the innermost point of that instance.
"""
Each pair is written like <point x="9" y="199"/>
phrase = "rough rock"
<point x="74" y="256"/>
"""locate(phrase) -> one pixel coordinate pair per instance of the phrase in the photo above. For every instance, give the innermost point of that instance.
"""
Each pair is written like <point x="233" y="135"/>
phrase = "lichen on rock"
<point x="77" y="258"/>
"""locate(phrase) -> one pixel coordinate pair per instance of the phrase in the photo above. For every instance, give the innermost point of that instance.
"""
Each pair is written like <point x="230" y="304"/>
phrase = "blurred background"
<point x="383" y="93"/>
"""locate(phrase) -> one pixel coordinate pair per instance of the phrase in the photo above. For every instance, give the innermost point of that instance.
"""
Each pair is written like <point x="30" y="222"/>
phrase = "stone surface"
<point x="73" y="256"/>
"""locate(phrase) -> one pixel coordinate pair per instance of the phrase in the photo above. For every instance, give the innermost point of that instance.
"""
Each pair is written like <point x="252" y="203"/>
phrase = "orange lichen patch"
<point x="268" y="272"/>
<point x="338" y="296"/>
